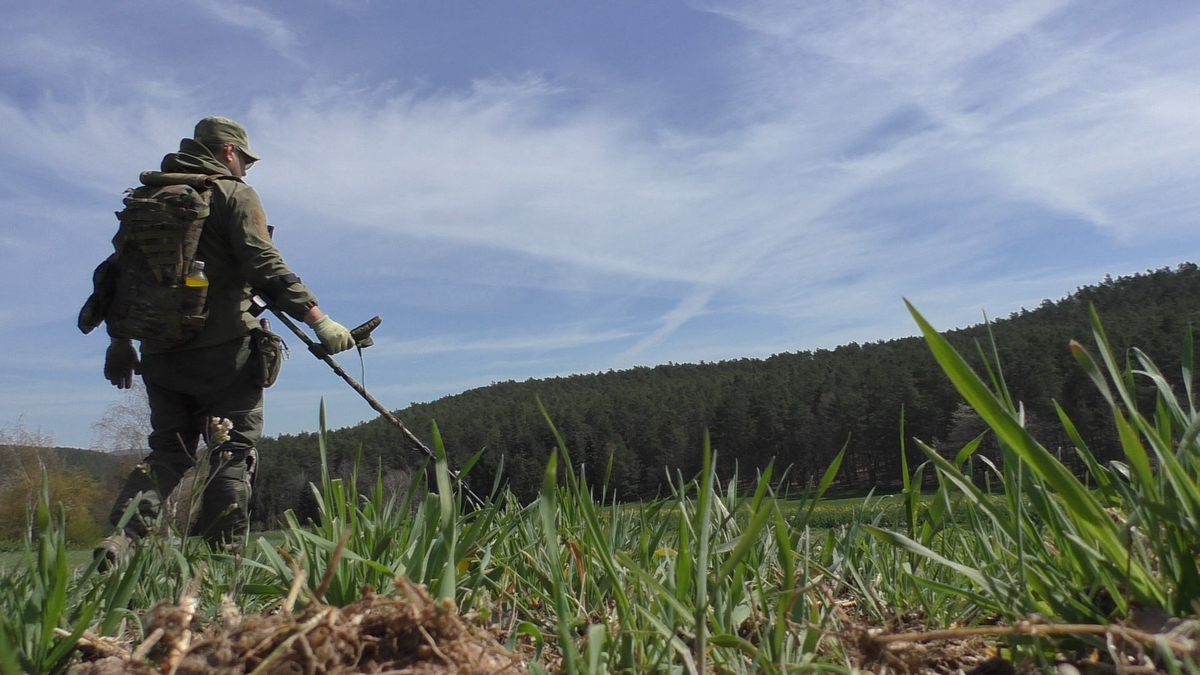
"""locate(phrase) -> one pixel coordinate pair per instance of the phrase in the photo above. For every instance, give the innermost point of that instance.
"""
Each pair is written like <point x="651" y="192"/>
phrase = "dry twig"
<point x="1035" y="629"/>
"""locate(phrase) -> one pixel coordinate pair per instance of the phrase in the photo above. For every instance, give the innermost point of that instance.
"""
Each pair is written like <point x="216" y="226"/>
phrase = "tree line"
<point x="797" y="409"/>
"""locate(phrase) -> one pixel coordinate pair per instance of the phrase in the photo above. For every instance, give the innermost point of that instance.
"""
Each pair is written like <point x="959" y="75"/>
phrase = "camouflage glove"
<point x="332" y="334"/>
<point x="120" y="363"/>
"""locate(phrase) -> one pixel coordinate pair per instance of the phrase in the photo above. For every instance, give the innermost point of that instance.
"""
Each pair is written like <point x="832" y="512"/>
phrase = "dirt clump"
<point x="411" y="634"/>
<point x="868" y="647"/>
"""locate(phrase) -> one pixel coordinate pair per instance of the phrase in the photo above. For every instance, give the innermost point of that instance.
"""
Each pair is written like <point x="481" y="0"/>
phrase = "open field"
<point x="1045" y="570"/>
<point x="826" y="514"/>
<point x="79" y="556"/>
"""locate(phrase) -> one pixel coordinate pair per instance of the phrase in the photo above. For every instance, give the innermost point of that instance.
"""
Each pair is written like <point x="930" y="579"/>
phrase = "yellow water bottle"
<point x="195" y="277"/>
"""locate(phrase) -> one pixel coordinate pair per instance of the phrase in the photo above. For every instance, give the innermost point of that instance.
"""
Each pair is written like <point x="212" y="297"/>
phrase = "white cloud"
<point x="274" y="30"/>
<point x="450" y="344"/>
<point x="1084" y="126"/>
<point x="60" y="53"/>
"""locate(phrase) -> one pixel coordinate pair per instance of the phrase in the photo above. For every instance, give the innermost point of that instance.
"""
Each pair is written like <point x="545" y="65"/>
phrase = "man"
<point x="208" y="376"/>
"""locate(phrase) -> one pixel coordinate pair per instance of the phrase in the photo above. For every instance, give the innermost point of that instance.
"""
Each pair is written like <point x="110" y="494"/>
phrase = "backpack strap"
<point x="197" y="181"/>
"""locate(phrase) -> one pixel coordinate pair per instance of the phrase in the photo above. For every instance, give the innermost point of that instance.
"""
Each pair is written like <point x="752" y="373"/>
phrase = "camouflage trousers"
<point x="185" y="389"/>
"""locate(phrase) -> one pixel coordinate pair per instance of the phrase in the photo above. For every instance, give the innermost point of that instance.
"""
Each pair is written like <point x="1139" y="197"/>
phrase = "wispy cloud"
<point x="276" y="32"/>
<point x="451" y="344"/>
<point x="671" y="321"/>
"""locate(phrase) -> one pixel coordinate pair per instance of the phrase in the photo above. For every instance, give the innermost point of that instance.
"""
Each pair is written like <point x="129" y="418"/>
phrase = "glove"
<point x="332" y="334"/>
<point x="120" y="363"/>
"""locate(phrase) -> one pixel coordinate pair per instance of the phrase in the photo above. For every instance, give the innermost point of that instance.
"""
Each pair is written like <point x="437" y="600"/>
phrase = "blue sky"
<point x="531" y="189"/>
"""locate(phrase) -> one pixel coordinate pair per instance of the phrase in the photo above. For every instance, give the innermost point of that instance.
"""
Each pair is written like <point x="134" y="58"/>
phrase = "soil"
<point x="408" y="634"/>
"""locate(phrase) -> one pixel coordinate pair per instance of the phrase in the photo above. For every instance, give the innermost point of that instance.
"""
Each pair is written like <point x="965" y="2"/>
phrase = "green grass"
<point x="79" y="557"/>
<point x="76" y="558"/>
<point x="711" y="579"/>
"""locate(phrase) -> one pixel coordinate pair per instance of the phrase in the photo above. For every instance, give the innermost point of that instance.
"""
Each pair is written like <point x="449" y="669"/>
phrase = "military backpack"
<point x="140" y="291"/>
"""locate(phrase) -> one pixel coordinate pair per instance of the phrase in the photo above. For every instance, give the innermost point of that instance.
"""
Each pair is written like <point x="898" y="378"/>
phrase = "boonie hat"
<point x="219" y="130"/>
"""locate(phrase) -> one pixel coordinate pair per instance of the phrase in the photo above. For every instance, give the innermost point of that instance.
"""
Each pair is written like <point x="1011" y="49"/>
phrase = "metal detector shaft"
<point x="318" y="350"/>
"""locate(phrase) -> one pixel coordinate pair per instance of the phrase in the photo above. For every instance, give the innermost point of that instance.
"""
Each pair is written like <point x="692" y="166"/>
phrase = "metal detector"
<point x="362" y="340"/>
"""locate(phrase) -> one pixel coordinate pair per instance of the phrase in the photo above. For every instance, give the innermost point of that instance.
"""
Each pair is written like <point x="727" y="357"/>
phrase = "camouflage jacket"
<point x="239" y="257"/>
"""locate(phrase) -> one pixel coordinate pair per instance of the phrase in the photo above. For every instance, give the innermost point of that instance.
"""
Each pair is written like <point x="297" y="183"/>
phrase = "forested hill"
<point x="798" y="408"/>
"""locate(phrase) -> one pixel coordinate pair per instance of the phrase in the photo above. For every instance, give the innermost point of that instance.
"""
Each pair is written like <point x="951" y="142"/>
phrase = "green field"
<point x="79" y="556"/>
<point x="1046" y="569"/>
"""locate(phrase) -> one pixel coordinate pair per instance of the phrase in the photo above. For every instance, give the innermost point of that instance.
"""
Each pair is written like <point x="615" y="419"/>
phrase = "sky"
<point x="532" y="189"/>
